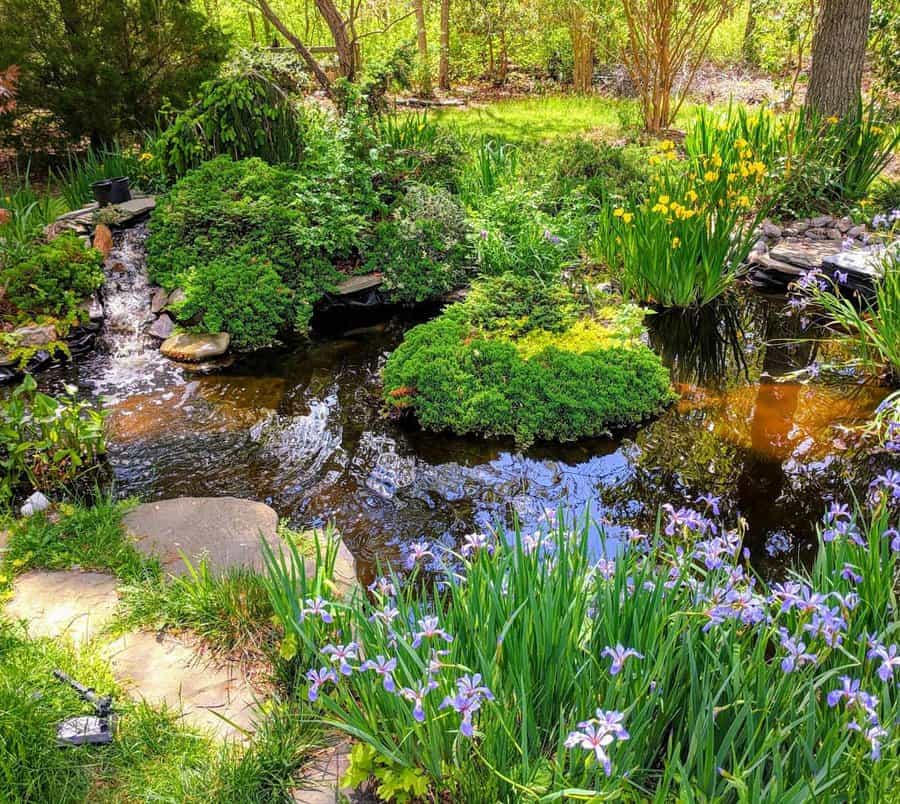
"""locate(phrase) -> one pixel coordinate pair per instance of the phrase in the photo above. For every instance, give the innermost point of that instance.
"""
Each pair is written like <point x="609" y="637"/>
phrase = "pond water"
<point x="303" y="430"/>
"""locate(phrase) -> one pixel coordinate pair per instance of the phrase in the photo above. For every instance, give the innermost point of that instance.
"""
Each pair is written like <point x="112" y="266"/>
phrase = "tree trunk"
<point x="348" y="50"/>
<point x="838" y="53"/>
<point x="748" y="48"/>
<point x="582" y="32"/>
<point x="422" y="43"/>
<point x="314" y="66"/>
<point x="444" y="60"/>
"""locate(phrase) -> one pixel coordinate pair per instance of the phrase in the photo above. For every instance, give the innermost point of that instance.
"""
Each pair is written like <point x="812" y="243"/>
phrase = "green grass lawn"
<point x="549" y="116"/>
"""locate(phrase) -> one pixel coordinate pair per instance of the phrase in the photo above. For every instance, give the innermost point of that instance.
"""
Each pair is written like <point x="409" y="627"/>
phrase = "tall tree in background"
<point x="583" y="32"/>
<point x="838" y="55"/>
<point x="422" y="45"/>
<point x="444" y="58"/>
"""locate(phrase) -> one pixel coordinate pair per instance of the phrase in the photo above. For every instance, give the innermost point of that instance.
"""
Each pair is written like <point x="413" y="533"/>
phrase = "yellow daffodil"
<point x="710" y="176"/>
<point x="618" y="212"/>
<point x="832" y="120"/>
<point x="664" y="199"/>
<point x="691" y="196"/>
<point x="744" y="201"/>
<point x="676" y="242"/>
<point x="740" y="143"/>
<point x="628" y="217"/>
<point x="146" y="156"/>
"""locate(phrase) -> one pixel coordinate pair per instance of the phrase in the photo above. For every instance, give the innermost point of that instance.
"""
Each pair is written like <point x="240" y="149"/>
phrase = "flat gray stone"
<point x="195" y="348"/>
<point x="67" y="603"/>
<point x="226" y="531"/>
<point x="34" y="335"/>
<point x="137" y="206"/>
<point x="803" y="253"/>
<point x="864" y="263"/>
<point x="158" y="301"/>
<point x="321" y="783"/>
<point x="162" y="327"/>
<point x="355" y="284"/>
<point x="167" y="671"/>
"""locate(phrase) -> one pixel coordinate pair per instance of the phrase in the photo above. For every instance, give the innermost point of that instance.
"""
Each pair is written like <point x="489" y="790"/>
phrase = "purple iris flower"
<point x="384" y="587"/>
<point x="386" y="615"/>
<point x="827" y="624"/>
<point x="887" y="484"/>
<point x="710" y="501"/>
<point x="619" y="655"/>
<point x="849" y="573"/>
<point x="472" y="687"/>
<point x="316" y="607"/>
<point x="417" y="696"/>
<point x="464" y="706"/>
<point x="852" y="695"/>
<point x="873" y="734"/>
<point x="796" y="652"/>
<point x="429" y="626"/>
<point x="418" y="551"/>
<point x="473" y="542"/>
<point x="341" y="656"/>
<point x="319" y="677"/>
<point x="597" y="734"/>
<point x="384" y="667"/>
<point x="889" y="661"/>
<point x="894" y="535"/>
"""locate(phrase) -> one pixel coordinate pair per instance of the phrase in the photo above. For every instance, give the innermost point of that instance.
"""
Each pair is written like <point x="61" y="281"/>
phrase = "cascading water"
<point x="129" y="359"/>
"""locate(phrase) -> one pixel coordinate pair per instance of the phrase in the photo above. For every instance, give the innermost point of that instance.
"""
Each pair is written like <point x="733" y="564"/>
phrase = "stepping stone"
<point x="226" y="531"/>
<point x="66" y="603"/>
<point x="804" y="254"/>
<point x="322" y="777"/>
<point x="356" y="284"/>
<point x="163" y="670"/>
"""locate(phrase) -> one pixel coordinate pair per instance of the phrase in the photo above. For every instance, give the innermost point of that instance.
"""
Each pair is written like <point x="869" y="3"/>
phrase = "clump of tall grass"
<point x="27" y="210"/>
<point x="230" y="612"/>
<point x="868" y="328"/>
<point x="663" y="672"/>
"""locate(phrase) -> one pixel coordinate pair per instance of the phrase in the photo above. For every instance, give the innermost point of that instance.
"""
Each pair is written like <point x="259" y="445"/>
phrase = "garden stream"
<point x="303" y="430"/>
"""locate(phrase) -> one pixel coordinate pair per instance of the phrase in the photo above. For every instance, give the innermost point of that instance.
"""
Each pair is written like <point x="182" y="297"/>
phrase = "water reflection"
<point x="303" y="430"/>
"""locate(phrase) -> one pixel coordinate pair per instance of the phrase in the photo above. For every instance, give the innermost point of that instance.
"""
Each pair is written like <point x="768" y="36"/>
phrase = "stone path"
<point x="164" y="670"/>
<point x="67" y="603"/>
<point x="322" y="777"/>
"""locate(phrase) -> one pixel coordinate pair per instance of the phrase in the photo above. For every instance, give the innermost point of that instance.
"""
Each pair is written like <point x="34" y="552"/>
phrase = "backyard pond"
<point x="303" y="430"/>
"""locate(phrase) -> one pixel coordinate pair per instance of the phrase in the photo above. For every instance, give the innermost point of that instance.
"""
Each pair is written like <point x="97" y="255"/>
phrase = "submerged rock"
<point x="195" y="348"/>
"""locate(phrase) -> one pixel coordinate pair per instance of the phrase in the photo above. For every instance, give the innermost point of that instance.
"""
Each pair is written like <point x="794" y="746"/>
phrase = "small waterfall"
<point x="131" y="362"/>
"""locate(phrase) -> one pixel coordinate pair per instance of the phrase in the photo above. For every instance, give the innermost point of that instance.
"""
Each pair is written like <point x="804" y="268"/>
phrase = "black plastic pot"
<point x="102" y="191"/>
<point x="119" y="190"/>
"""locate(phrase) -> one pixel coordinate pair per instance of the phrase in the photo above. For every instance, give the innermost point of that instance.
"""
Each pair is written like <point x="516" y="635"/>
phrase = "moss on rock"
<point x="529" y="361"/>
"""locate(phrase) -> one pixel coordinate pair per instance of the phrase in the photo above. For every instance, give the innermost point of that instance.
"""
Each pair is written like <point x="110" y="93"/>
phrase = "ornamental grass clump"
<point x="532" y="670"/>
<point x="685" y="243"/>
<point x="866" y="329"/>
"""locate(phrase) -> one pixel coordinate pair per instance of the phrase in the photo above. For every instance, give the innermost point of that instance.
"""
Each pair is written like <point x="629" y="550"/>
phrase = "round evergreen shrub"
<point x="541" y="368"/>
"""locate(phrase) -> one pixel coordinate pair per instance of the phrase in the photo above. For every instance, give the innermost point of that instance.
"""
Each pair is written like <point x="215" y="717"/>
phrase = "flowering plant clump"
<point x="704" y="682"/>
<point x="684" y="245"/>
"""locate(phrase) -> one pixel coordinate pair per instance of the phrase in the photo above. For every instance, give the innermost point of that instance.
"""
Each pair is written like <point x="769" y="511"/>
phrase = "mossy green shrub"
<point x="254" y="245"/>
<point x="522" y="359"/>
<point x="424" y="248"/>
<point x="52" y="278"/>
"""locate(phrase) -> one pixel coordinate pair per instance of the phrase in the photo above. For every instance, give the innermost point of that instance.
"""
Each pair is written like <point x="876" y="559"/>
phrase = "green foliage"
<point x="241" y="116"/>
<point x="53" y="278"/>
<point x="91" y="537"/>
<point x="884" y="44"/>
<point x="424" y="250"/>
<point x="82" y="170"/>
<point x="415" y="148"/>
<point x="869" y="330"/>
<point x="154" y="757"/>
<point x="710" y="710"/>
<point x="29" y="212"/>
<point x="253" y="245"/>
<point x="685" y="243"/>
<point x="472" y="373"/>
<point x="578" y="169"/>
<point x="394" y="783"/>
<point x="102" y="68"/>
<point x="230" y="612"/>
<point x="45" y="443"/>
